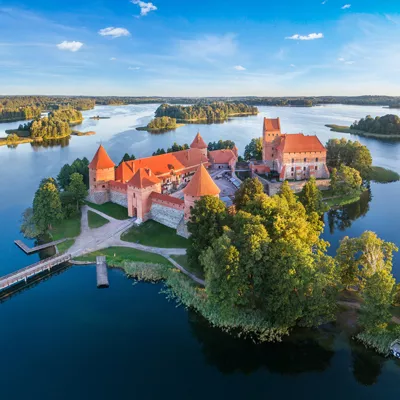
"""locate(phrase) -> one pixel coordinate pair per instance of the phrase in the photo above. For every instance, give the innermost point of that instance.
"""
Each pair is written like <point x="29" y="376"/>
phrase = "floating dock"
<point x="30" y="250"/>
<point x="101" y="272"/>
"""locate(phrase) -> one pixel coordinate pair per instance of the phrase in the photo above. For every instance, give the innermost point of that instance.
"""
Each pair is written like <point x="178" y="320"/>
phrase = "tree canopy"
<point x="311" y="197"/>
<point x="254" y="149"/>
<point x="387" y="125"/>
<point x="77" y="189"/>
<point x="162" y="123"/>
<point x="80" y="166"/>
<point x="247" y="192"/>
<point x="221" y="145"/>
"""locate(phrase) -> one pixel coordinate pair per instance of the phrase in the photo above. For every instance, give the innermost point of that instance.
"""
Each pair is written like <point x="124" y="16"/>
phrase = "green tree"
<point x="287" y="193"/>
<point x="347" y="180"/>
<point x="46" y="206"/>
<point x="127" y="157"/>
<point x="205" y="225"/>
<point x="360" y="258"/>
<point x="247" y="191"/>
<point x="28" y="226"/>
<point x="378" y="297"/>
<point x="254" y="149"/>
<point x="77" y="189"/>
<point x="311" y="197"/>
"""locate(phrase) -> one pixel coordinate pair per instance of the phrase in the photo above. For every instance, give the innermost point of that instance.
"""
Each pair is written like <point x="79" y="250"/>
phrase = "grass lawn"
<point x="113" y="210"/>
<point x="333" y="200"/>
<point x="64" y="246"/>
<point x="183" y="261"/>
<point x="96" y="220"/>
<point x="68" y="228"/>
<point x="117" y="255"/>
<point x="383" y="175"/>
<point x="152" y="233"/>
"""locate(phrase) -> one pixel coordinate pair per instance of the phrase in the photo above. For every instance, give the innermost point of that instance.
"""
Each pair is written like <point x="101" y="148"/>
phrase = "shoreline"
<point x="347" y="129"/>
<point x="163" y="130"/>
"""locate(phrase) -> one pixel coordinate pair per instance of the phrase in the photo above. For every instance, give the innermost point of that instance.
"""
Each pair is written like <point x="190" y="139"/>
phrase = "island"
<point x="56" y="125"/>
<point x="160" y="125"/>
<point x="213" y="112"/>
<point x="386" y="127"/>
<point x="98" y="117"/>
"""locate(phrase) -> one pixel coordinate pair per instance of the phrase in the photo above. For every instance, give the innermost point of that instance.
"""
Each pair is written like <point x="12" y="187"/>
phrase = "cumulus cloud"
<point x="311" y="36"/>
<point x="239" y="68"/>
<point x="70" y="46"/>
<point x="145" y="8"/>
<point x="346" y="6"/>
<point x="114" y="32"/>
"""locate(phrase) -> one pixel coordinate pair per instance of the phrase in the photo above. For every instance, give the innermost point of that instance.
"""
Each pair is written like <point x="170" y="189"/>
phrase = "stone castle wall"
<point x="99" y="197"/>
<point x="166" y="215"/>
<point x="119" y="197"/>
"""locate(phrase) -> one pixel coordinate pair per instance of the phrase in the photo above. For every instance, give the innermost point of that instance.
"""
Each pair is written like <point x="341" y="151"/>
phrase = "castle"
<point x="143" y="185"/>
<point x="290" y="156"/>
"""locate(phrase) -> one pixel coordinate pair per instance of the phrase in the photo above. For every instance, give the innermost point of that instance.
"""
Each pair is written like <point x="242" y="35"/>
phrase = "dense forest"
<point x="17" y="114"/>
<point x="218" y="111"/>
<point x="161" y="123"/>
<point x="386" y="125"/>
<point x="69" y="115"/>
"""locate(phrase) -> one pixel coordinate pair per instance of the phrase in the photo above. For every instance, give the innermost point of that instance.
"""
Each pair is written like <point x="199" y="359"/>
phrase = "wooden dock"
<point x="29" y="250"/>
<point x="24" y="273"/>
<point x="101" y="272"/>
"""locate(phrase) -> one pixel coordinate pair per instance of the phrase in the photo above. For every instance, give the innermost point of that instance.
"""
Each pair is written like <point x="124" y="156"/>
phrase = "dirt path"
<point x="357" y="306"/>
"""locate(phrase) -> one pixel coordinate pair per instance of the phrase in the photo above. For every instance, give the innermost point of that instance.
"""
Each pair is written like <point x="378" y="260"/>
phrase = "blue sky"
<point x="200" y="48"/>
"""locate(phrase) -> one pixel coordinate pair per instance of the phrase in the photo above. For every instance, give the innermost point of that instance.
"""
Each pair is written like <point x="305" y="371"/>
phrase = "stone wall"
<point x="273" y="188"/>
<point x="99" y="197"/>
<point x="182" y="230"/>
<point x="165" y="215"/>
<point x="119" y="198"/>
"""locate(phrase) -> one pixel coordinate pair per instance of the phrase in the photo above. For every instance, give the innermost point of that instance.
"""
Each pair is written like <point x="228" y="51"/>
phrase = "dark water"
<point x="65" y="339"/>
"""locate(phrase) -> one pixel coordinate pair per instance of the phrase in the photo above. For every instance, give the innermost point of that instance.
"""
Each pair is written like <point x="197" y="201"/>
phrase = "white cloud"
<point x="341" y="59"/>
<point x="70" y="46"/>
<point x="239" y="68"/>
<point x="292" y="65"/>
<point x="114" y="32"/>
<point x="349" y="62"/>
<point x="346" y="6"/>
<point x="311" y="36"/>
<point x="145" y="8"/>
<point x="133" y="68"/>
<point x="324" y="2"/>
<point x="112" y="59"/>
<point x="208" y="46"/>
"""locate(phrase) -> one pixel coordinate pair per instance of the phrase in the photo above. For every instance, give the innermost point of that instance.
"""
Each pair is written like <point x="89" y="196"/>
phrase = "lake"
<point x="64" y="339"/>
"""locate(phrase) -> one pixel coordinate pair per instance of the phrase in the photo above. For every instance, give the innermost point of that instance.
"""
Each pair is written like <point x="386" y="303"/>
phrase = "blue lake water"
<point x="64" y="339"/>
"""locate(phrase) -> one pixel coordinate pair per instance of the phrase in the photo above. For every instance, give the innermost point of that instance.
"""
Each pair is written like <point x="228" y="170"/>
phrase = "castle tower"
<point x="200" y="185"/>
<point x="101" y="171"/>
<point x="199" y="143"/>
<point x="140" y="187"/>
<point x="271" y="137"/>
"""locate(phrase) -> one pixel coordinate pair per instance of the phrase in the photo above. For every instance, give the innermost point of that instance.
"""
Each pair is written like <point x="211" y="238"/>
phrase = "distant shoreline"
<point x="163" y="130"/>
<point x="347" y="129"/>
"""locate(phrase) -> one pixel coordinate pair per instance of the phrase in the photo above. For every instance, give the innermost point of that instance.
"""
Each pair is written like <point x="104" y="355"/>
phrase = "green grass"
<point x="183" y="261"/>
<point x="113" y="210"/>
<point x="383" y="175"/>
<point x="68" y="228"/>
<point x="333" y="200"/>
<point x="64" y="246"/>
<point x="339" y="128"/>
<point x="152" y="233"/>
<point x="96" y="220"/>
<point x="117" y="255"/>
<point x="347" y="129"/>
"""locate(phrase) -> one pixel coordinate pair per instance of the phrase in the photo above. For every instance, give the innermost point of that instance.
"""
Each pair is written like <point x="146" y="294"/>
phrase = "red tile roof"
<point x="162" y="164"/>
<point x="272" y="124"/>
<point x="298" y="143"/>
<point x="222" y="156"/>
<point x="101" y="160"/>
<point x="143" y="178"/>
<point x="198" y="142"/>
<point x="166" y="198"/>
<point x="201" y="184"/>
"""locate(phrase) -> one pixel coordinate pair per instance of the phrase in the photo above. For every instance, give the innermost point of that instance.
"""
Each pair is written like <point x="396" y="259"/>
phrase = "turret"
<point x="199" y="143"/>
<point x="200" y="185"/>
<point x="101" y="171"/>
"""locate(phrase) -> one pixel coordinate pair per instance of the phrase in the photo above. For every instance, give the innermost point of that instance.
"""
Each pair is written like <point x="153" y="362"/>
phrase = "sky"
<point x="200" y="47"/>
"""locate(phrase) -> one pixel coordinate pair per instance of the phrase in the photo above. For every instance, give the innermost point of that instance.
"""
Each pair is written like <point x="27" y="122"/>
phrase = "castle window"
<point x="304" y="168"/>
<point x="104" y="186"/>
<point x="292" y="169"/>
<point x="134" y="195"/>
<point x="94" y="179"/>
<point x="316" y="167"/>
<point x="316" y="160"/>
<point x="292" y="160"/>
<point x="292" y="173"/>
<point x="305" y="160"/>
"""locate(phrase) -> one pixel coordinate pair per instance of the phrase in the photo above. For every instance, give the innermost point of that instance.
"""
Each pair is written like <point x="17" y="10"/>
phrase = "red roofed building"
<point x="142" y="185"/>
<point x="291" y="156"/>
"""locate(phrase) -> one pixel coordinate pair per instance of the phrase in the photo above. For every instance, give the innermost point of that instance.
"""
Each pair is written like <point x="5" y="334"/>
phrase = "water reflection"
<point x="343" y="217"/>
<point x="304" y="351"/>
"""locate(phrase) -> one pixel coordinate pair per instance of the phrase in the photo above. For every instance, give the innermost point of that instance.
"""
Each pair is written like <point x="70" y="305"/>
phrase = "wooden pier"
<point x="24" y="273"/>
<point x="101" y="272"/>
<point x="29" y="250"/>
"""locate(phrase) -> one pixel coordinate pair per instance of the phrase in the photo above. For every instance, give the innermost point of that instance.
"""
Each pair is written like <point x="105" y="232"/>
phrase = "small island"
<point x="56" y="125"/>
<point x="213" y="112"/>
<point x="160" y="125"/>
<point x="386" y="127"/>
<point x="98" y="117"/>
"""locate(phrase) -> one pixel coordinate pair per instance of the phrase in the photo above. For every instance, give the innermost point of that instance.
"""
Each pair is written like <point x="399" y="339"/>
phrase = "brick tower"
<point x="271" y="139"/>
<point x="199" y="143"/>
